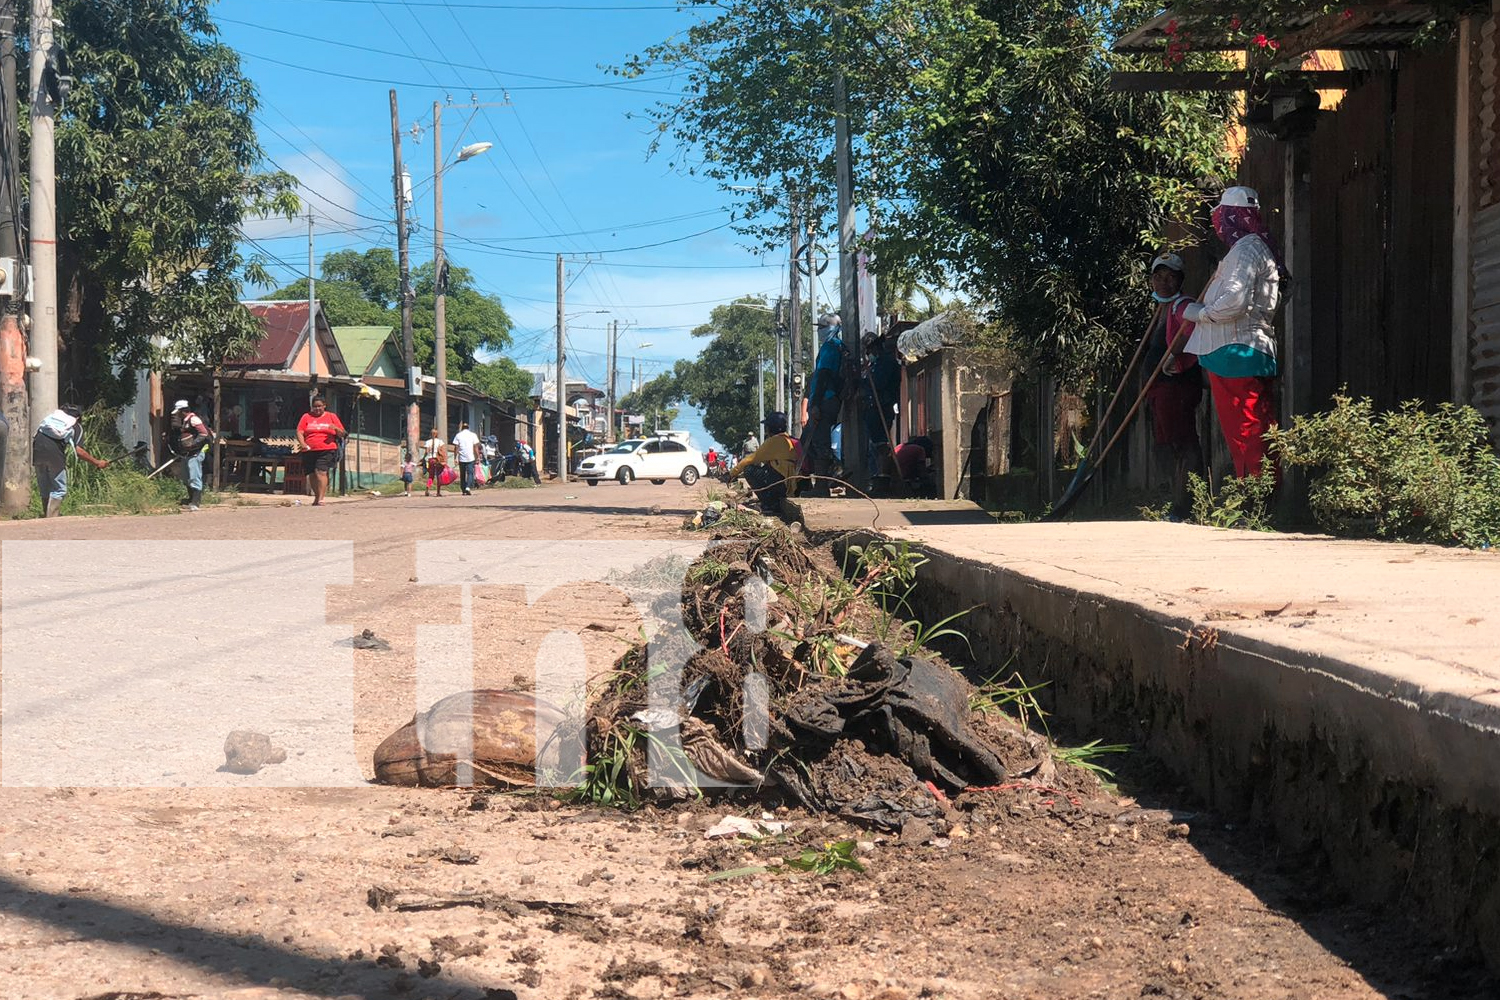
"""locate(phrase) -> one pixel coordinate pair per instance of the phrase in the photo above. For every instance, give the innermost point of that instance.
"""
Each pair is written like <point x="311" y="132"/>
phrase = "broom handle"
<point x="1172" y="351"/>
<point x="1129" y="370"/>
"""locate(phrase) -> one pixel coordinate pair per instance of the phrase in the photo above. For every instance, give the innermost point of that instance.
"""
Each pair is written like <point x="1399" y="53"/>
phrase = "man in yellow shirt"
<point x="771" y="469"/>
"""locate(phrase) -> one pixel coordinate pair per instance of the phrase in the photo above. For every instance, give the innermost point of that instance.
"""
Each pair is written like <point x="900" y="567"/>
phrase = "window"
<point x="653" y="447"/>
<point x="672" y="446"/>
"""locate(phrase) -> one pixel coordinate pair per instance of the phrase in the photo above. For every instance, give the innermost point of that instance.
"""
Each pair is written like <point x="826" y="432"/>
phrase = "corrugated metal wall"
<point x="1484" y="343"/>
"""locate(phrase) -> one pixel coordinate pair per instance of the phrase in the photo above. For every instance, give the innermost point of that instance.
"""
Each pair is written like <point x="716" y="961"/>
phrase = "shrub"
<point x="1240" y="503"/>
<point x="1407" y="474"/>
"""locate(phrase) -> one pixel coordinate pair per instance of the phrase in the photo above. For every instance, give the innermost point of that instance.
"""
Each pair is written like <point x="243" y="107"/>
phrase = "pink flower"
<point x="1262" y="40"/>
<point x="1171" y="28"/>
<point x="1234" y="24"/>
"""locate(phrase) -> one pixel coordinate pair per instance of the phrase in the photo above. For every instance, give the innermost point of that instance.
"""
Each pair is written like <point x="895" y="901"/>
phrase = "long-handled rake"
<point x="1088" y="465"/>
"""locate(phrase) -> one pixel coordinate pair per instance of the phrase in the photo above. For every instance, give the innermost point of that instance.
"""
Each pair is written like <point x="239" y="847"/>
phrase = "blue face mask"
<point x="1163" y="298"/>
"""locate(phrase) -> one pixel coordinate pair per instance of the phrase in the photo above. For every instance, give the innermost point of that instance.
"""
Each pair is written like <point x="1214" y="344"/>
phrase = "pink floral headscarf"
<point x="1234" y="222"/>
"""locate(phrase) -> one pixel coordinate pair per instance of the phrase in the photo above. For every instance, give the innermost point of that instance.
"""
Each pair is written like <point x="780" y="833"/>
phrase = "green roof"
<point x="360" y="345"/>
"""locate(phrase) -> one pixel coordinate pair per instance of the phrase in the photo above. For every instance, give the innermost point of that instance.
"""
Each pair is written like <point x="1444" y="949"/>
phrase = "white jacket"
<point x="1239" y="304"/>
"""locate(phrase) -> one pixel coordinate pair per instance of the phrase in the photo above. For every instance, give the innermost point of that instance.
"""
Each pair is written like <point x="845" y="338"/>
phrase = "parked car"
<point x="657" y="459"/>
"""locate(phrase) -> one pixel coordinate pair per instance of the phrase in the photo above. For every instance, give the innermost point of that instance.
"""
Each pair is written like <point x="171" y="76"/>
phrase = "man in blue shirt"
<point x="823" y="398"/>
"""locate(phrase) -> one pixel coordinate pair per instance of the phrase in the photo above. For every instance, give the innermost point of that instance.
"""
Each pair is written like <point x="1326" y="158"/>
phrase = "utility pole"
<point x="440" y="297"/>
<point x="312" y="313"/>
<point x="794" y="323"/>
<point x="760" y="394"/>
<point x="562" y="375"/>
<point x="853" y="436"/>
<point x="779" y="327"/>
<point x="43" y="215"/>
<point x="414" y="387"/>
<point x="15" y="451"/>
<point x="614" y="357"/>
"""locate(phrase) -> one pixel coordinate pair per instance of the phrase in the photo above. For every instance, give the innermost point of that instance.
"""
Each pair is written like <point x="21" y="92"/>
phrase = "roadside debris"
<point x="780" y="699"/>
<point x="246" y="752"/>
<point x="492" y="733"/>
<point x="739" y="826"/>
<point x="367" y="639"/>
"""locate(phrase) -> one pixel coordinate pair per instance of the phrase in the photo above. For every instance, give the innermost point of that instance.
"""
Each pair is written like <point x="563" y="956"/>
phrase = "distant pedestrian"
<point x="408" y="470"/>
<point x="1177" y="391"/>
<point x="318" y="435"/>
<point x="527" y="455"/>
<point x="189" y="440"/>
<point x="1232" y="334"/>
<point x="60" y="433"/>
<point x="434" y="462"/>
<point x="466" y="449"/>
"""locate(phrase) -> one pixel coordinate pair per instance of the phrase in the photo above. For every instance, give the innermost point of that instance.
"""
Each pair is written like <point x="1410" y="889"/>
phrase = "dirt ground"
<point x="233" y="887"/>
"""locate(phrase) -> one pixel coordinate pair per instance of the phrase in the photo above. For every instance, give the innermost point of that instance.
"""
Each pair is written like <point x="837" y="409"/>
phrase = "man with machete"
<point x="1177" y="391"/>
<point x="59" y="433"/>
<point x="188" y="439"/>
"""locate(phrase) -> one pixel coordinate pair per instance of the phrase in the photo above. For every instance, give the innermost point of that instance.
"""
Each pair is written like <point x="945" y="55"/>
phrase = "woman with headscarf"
<point x="1232" y="333"/>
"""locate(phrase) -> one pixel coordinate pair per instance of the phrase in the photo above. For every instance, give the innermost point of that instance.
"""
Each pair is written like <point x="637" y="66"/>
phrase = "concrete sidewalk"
<point x="1346" y="693"/>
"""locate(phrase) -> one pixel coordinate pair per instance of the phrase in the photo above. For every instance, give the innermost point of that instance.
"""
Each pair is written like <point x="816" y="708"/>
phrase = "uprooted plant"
<point x="790" y="672"/>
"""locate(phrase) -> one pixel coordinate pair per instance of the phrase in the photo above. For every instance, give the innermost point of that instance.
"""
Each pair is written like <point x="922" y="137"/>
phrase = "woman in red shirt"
<point x="318" y="434"/>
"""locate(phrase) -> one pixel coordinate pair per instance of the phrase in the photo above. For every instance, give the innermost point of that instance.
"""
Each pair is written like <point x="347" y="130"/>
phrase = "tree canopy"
<point x="362" y="289"/>
<point x="157" y="167"/>
<point x="655" y="400"/>
<point x="722" y="380"/>
<point x="991" y="151"/>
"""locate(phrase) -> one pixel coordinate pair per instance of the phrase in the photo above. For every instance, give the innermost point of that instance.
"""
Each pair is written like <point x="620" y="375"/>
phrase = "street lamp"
<point x="439" y="265"/>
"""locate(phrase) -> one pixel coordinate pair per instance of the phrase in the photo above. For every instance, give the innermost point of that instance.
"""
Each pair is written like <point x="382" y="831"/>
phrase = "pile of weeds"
<point x="771" y="620"/>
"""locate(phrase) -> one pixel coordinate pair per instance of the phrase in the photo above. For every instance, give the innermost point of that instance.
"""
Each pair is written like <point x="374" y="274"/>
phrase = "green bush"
<point x="1408" y="474"/>
<point x="1240" y="503"/>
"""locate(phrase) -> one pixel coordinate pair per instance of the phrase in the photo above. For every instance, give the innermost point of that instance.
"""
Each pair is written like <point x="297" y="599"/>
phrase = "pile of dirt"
<point x="793" y="682"/>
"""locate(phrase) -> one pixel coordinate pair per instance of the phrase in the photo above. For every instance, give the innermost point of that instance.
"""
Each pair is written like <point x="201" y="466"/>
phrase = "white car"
<point x="657" y="459"/>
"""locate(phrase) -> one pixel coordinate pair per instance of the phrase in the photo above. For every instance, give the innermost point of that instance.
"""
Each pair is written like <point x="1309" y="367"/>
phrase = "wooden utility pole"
<point x="562" y="377"/>
<point x="853" y="436"/>
<point x="15" y="449"/>
<point x="440" y="298"/>
<point x="43" y="214"/>
<point x="794" y="323"/>
<point x="312" y="315"/>
<point x="612" y="361"/>
<point x="403" y="255"/>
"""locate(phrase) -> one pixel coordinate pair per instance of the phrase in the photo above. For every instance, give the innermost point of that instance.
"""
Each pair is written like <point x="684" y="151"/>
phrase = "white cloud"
<point x="325" y="190"/>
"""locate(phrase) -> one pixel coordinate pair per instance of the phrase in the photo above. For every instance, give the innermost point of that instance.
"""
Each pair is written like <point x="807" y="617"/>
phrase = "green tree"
<point x="343" y="302"/>
<point x="656" y="401"/>
<point x="1008" y="168"/>
<point x="157" y="163"/>
<point x="362" y="289"/>
<point x="722" y="380"/>
<point x="501" y="379"/>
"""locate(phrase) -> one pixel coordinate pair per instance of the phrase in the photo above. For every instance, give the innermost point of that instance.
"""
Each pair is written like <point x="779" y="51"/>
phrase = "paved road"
<point x="133" y="646"/>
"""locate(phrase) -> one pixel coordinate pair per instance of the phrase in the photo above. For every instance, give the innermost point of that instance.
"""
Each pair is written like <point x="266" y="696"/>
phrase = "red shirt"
<point x="320" y="433"/>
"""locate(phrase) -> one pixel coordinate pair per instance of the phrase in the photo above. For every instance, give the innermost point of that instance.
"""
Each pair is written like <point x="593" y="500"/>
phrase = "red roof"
<point x="285" y="323"/>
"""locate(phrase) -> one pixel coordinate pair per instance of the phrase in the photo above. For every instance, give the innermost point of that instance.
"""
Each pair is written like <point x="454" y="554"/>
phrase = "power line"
<point x="566" y="83"/>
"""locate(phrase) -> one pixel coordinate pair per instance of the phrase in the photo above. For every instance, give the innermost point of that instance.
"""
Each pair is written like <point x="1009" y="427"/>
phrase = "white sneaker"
<point x="192" y="506"/>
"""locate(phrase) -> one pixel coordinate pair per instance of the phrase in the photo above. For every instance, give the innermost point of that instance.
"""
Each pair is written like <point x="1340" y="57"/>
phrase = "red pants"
<point x="1246" y="410"/>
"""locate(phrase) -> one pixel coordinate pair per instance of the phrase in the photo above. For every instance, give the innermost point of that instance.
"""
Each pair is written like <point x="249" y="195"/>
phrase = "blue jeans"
<point x="51" y="481"/>
<point x="192" y="471"/>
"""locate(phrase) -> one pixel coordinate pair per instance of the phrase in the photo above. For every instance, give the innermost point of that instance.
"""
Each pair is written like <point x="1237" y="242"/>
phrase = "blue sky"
<point x="568" y="174"/>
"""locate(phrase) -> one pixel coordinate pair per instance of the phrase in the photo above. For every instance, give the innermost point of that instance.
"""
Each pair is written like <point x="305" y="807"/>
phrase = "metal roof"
<point x="1388" y="26"/>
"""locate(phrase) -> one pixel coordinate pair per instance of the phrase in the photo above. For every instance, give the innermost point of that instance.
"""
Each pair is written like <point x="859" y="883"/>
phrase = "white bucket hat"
<point x="181" y="404"/>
